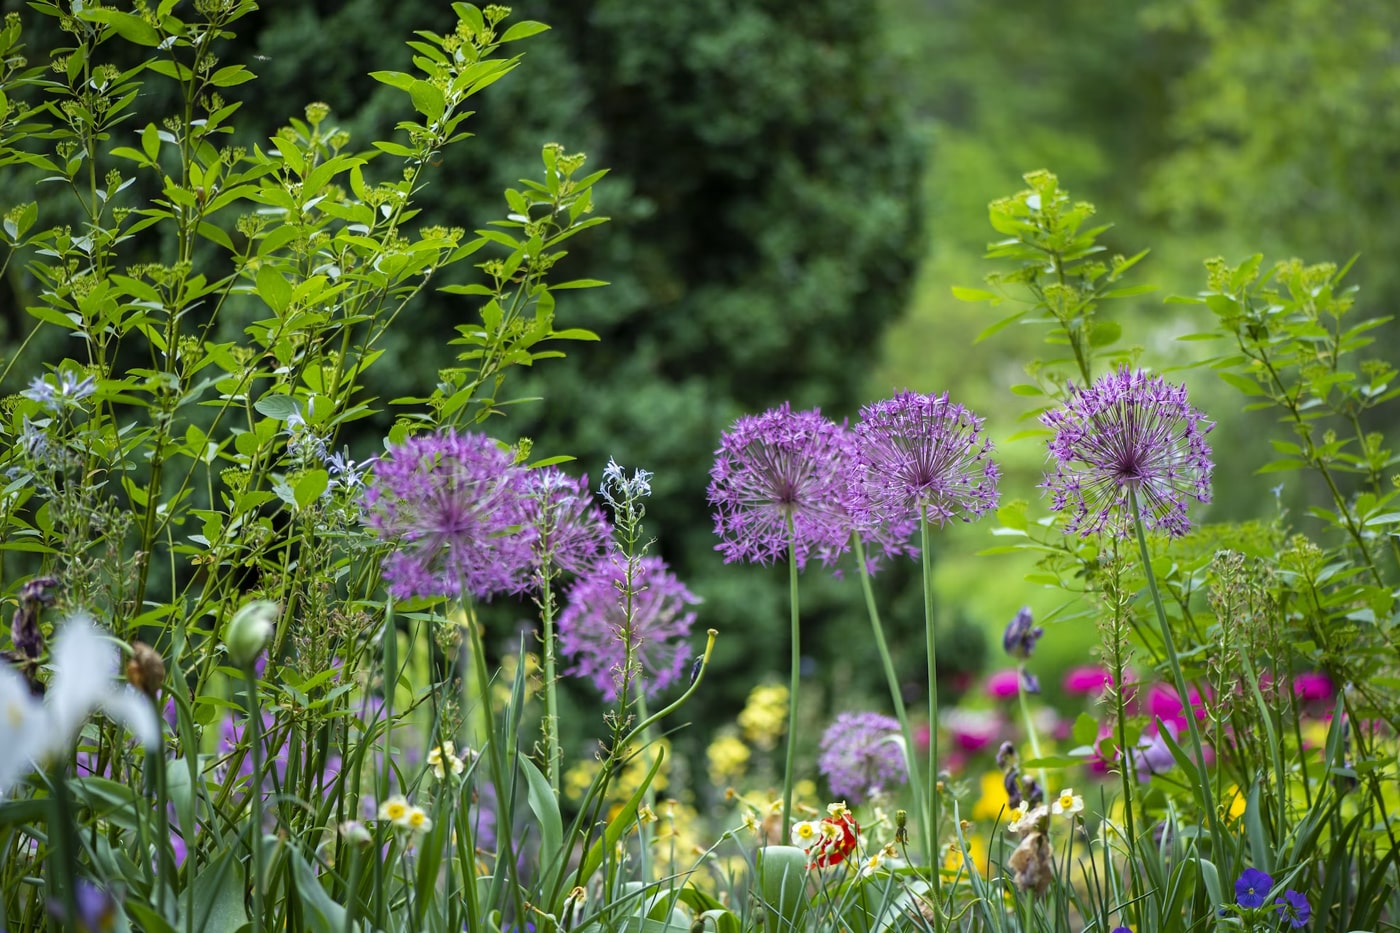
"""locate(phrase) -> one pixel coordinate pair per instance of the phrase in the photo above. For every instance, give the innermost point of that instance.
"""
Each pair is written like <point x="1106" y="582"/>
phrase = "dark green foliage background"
<point x="764" y="190"/>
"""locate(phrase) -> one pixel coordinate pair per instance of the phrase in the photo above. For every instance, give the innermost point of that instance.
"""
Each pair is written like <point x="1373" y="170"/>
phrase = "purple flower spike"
<point x="594" y="623"/>
<point x="1128" y="431"/>
<point x="1252" y="888"/>
<point x="779" y="467"/>
<point x="454" y="503"/>
<point x="860" y="756"/>
<point x="570" y="530"/>
<point x="1294" y="908"/>
<point x="921" y="451"/>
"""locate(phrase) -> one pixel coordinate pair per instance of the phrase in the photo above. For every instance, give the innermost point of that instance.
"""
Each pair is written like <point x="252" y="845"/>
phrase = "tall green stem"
<point x="793" y="682"/>
<point x="1178" y="680"/>
<point x="255" y="835"/>
<point x="551" y="702"/>
<point x="934" y="791"/>
<point x="911" y="760"/>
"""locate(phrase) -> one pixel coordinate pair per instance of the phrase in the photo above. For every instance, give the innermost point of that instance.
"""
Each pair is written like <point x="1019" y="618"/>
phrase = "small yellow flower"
<point x="1025" y="819"/>
<point x="395" y="809"/>
<point x="416" y="821"/>
<point x="1237" y="805"/>
<point x="1068" y="803"/>
<point x="728" y="757"/>
<point x="443" y="758"/>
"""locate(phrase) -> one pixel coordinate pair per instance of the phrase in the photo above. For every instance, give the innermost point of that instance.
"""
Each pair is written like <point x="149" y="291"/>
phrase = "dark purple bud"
<point x="1021" y="634"/>
<point x="1005" y="755"/>
<point x="1011" y="781"/>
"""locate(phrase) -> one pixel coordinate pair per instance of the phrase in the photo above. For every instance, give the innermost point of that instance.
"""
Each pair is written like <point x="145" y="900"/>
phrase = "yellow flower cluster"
<point x="728" y="757"/>
<point x="764" y="717"/>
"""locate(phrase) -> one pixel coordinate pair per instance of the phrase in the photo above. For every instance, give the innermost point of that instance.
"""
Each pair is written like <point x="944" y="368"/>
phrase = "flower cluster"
<point x="405" y="816"/>
<point x="1252" y="890"/>
<point x="861" y="756"/>
<point x="469" y="522"/>
<point x="830" y="840"/>
<point x="442" y="760"/>
<point x="1128" y="434"/>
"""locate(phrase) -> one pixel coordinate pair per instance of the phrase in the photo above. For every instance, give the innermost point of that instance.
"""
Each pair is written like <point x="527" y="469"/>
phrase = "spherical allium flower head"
<point x="921" y="452"/>
<point x="777" y="468"/>
<point x="860" y="756"/>
<point x="454" y="504"/>
<point x="570" y="530"/>
<point x="1252" y="888"/>
<point x="1128" y="432"/>
<point x="594" y="625"/>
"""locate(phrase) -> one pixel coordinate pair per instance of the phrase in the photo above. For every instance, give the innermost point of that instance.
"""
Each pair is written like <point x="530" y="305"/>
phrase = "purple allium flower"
<point x="1128" y="431"/>
<point x="917" y="452"/>
<point x="1294" y="908"/>
<point x="777" y="468"/>
<point x="454" y="504"/>
<point x="860" y="756"/>
<point x="1252" y="888"/>
<point x="570" y="530"/>
<point x="595" y="622"/>
<point x="1021" y="634"/>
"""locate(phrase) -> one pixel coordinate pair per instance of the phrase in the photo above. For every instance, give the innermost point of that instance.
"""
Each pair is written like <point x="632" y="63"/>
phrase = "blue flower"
<point x="1294" y="908"/>
<point x="1252" y="890"/>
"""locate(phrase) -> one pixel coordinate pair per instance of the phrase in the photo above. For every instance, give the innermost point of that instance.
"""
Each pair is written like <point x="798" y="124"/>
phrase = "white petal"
<point x="21" y="726"/>
<point x="134" y="711"/>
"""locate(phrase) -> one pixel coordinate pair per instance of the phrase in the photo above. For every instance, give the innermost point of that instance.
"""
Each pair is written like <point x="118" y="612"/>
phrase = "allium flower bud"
<point x="145" y="671"/>
<point x="248" y="631"/>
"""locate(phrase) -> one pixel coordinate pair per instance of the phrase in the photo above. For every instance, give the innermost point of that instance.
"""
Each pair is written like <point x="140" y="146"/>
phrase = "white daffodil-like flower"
<point x="84" y="681"/>
<point x="417" y="821"/>
<point x="1069" y="803"/>
<point x="443" y="759"/>
<point x="1025" y="818"/>
<point x="806" y="833"/>
<point x="395" y="810"/>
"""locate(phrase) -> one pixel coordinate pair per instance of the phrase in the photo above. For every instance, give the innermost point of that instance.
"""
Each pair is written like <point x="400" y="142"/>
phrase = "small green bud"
<point x="248" y="631"/>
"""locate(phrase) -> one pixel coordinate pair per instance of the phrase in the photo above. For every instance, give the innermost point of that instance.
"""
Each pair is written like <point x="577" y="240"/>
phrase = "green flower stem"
<point x="644" y="832"/>
<point x="250" y="677"/>
<point x="64" y="840"/>
<point x="1031" y="735"/>
<point x="911" y="760"/>
<point x="793" y="682"/>
<point x="935" y="866"/>
<point x="1178" y="680"/>
<point x="553" y="764"/>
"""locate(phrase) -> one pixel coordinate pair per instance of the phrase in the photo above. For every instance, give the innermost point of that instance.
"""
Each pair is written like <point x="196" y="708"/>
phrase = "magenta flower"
<point x="1313" y="685"/>
<point x="1164" y="703"/>
<point x="1128" y="431"/>
<point x="596" y="622"/>
<point x="1086" y="681"/>
<point x="860" y="756"/>
<point x="453" y="505"/>
<point x="1003" y="684"/>
<point x="571" y="532"/>
<point x="779" y="481"/>
<point x="917" y="453"/>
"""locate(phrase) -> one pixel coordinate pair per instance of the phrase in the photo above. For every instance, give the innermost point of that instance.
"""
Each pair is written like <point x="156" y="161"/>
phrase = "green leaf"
<point x="310" y="487"/>
<point x="974" y="294"/>
<point x="129" y="26"/>
<point x="277" y="406"/>
<point x="523" y="30"/>
<point x="274" y="289"/>
<point x="1086" y="730"/>
<point x="319" y="912"/>
<point x="546" y="809"/>
<point x="1052" y="762"/>
<point x="428" y="99"/>
<point x="1105" y="333"/>
<point x="782" y="886"/>
<point x="219" y="887"/>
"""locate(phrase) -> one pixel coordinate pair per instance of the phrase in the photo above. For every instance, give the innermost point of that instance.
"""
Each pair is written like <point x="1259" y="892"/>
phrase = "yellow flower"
<point x="993" y="799"/>
<point x="1237" y="804"/>
<point x="728" y="757"/>
<point x="764" y="717"/>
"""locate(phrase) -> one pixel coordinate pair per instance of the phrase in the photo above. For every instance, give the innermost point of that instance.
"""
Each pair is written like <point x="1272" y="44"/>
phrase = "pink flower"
<point x="1313" y="685"/>
<point x="1164" y="704"/>
<point x="1087" y="681"/>
<point x="972" y="730"/>
<point x="1003" y="684"/>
